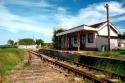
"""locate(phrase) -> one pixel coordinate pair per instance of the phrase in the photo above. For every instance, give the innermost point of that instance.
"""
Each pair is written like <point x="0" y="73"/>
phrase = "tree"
<point x="10" y="42"/>
<point x="55" y="38"/>
<point x="26" y="41"/>
<point x="123" y="34"/>
<point x="39" y="42"/>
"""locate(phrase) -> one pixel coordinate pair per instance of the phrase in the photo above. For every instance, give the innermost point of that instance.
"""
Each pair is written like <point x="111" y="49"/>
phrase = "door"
<point x="82" y="41"/>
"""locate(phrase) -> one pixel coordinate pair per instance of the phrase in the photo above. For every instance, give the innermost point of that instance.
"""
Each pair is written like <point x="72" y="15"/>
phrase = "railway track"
<point x="76" y="70"/>
<point x="112" y="74"/>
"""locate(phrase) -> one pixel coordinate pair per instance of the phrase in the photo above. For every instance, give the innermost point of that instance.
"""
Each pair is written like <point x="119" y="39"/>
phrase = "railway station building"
<point x="90" y="37"/>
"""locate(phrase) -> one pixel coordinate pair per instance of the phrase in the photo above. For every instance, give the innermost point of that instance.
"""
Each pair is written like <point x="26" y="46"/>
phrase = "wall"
<point x="122" y="42"/>
<point x="27" y="46"/>
<point x="113" y="43"/>
<point x="104" y="31"/>
<point x="91" y="45"/>
<point x="101" y="41"/>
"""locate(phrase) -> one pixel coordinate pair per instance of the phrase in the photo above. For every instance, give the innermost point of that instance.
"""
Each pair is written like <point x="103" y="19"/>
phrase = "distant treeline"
<point x="7" y="46"/>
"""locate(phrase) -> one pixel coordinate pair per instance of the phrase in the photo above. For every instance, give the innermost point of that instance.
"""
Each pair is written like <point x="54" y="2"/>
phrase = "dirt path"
<point x="39" y="72"/>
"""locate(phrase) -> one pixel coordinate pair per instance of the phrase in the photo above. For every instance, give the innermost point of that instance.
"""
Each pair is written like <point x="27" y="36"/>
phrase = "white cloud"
<point x="15" y="23"/>
<point x="121" y="29"/>
<point x="91" y="14"/>
<point x="41" y="3"/>
<point x="60" y="16"/>
<point x="121" y="18"/>
<point x="61" y="10"/>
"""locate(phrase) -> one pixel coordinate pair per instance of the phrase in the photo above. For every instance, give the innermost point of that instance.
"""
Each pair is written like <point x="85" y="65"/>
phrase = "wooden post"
<point x="78" y="41"/>
<point x="107" y="8"/>
<point x="64" y="42"/>
<point x="67" y="41"/>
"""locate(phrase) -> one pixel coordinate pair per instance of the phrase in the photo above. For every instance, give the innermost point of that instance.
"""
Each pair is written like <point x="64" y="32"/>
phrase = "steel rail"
<point x="82" y="73"/>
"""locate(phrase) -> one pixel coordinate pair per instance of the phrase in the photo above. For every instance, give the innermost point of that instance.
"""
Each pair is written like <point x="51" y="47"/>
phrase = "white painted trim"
<point x="110" y="25"/>
<point x="85" y="27"/>
<point x="71" y="30"/>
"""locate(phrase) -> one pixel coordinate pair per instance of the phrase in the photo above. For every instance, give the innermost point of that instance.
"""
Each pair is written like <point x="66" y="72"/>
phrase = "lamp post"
<point x="107" y="9"/>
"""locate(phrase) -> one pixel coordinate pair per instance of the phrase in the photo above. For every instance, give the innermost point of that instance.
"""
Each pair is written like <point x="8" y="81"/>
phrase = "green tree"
<point x="55" y="38"/>
<point x="39" y="42"/>
<point x="123" y="34"/>
<point x="10" y="42"/>
<point x="26" y="41"/>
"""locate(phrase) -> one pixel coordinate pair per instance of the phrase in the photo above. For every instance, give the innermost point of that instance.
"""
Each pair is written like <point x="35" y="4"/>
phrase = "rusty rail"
<point x="102" y="70"/>
<point x="82" y="73"/>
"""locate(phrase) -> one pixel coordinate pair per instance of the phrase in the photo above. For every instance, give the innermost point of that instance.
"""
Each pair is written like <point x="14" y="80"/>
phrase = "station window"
<point x="90" y="38"/>
<point x="75" y="39"/>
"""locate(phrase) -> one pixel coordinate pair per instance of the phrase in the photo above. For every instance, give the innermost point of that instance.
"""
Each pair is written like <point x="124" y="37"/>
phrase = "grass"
<point x="118" y="68"/>
<point x="9" y="58"/>
<point x="7" y="46"/>
<point x="116" y="54"/>
<point x="26" y="64"/>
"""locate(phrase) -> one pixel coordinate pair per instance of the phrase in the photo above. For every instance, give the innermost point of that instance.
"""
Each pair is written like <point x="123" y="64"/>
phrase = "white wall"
<point x="122" y="42"/>
<point x="104" y="31"/>
<point x="90" y="45"/>
<point x="113" y="43"/>
<point x="101" y="41"/>
<point x="27" y="46"/>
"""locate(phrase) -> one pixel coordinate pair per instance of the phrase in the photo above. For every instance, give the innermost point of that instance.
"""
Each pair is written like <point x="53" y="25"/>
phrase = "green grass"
<point x="116" y="54"/>
<point x="7" y="46"/>
<point x="113" y="54"/>
<point x="9" y="58"/>
<point x="26" y="64"/>
<point x="118" y="68"/>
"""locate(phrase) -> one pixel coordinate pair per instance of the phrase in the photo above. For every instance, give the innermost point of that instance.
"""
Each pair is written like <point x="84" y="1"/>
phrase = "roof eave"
<point x="77" y="29"/>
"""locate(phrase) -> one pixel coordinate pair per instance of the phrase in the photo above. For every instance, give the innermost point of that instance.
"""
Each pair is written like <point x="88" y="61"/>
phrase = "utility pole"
<point x="107" y="9"/>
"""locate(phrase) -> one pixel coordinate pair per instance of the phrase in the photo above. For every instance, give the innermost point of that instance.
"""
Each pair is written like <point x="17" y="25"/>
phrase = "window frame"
<point x="75" y="39"/>
<point x="90" y="37"/>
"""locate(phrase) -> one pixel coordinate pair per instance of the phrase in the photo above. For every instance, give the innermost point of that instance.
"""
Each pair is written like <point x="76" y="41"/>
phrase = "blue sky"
<point x="38" y="18"/>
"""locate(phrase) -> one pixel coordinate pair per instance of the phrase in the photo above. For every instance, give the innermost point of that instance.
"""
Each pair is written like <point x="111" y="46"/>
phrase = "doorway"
<point x="82" y="41"/>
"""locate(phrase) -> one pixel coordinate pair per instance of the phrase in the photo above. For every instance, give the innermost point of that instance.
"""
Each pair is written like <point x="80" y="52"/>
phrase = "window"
<point x="83" y="38"/>
<point x="75" y="39"/>
<point x="90" y="38"/>
<point x="119" y="44"/>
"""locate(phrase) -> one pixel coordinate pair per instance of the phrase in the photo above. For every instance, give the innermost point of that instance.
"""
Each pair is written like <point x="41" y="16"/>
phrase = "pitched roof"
<point x="97" y="25"/>
<point x="89" y="27"/>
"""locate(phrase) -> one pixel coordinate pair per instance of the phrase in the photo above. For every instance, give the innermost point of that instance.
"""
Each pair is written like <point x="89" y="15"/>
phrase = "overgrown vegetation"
<point x="117" y="68"/>
<point x="111" y="65"/>
<point x="10" y="57"/>
<point x="117" y="54"/>
<point x="7" y="46"/>
<point x="26" y="64"/>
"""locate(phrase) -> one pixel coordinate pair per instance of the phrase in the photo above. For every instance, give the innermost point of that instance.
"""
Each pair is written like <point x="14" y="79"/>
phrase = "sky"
<point x="38" y="18"/>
